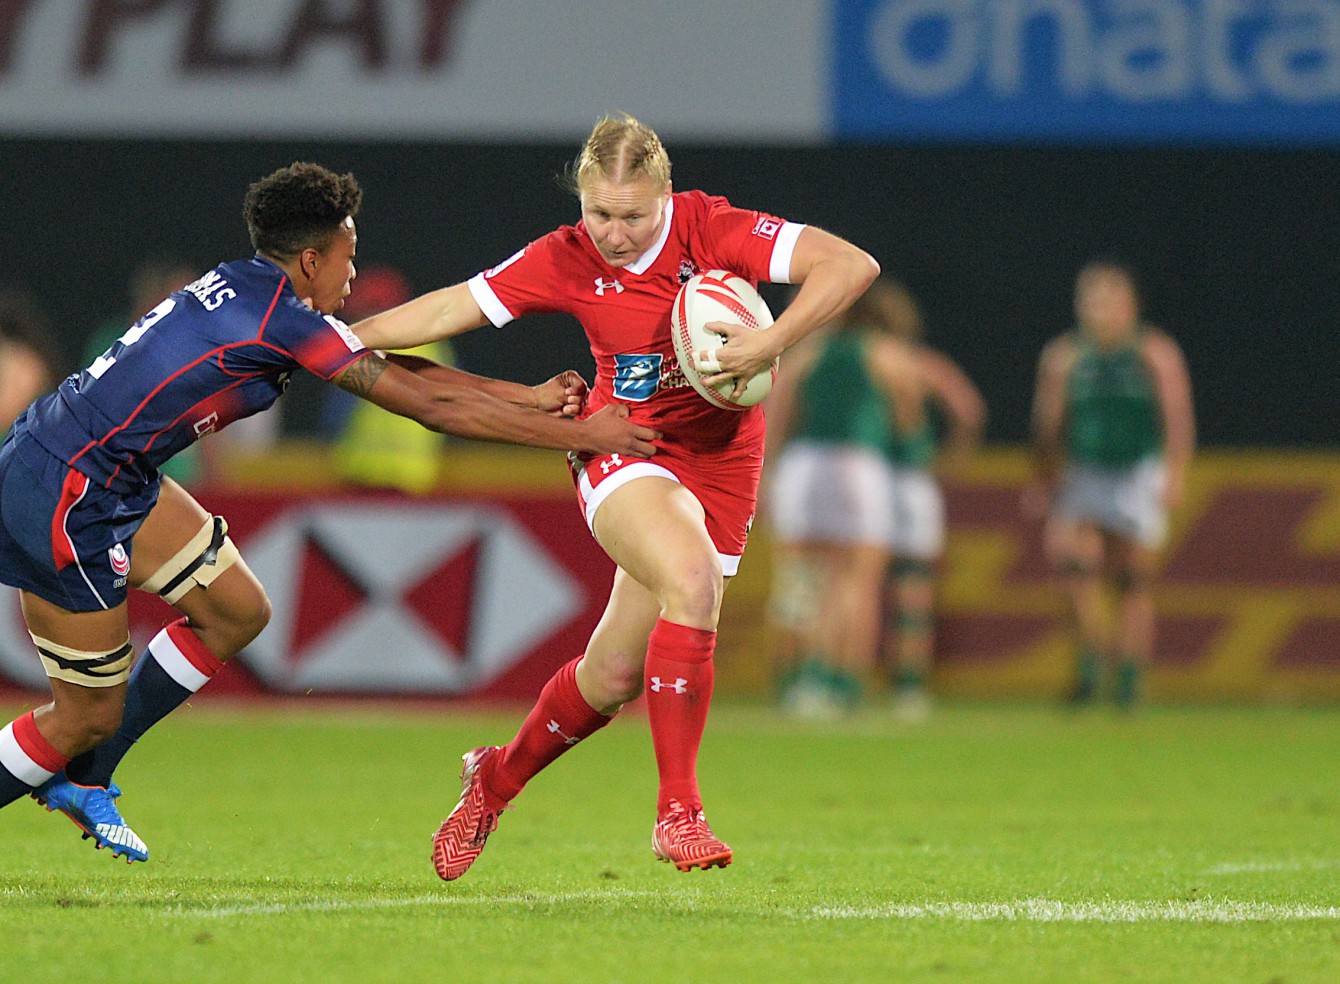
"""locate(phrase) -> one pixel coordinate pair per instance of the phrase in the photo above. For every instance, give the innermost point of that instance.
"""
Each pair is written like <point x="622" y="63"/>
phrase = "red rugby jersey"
<point x="626" y="312"/>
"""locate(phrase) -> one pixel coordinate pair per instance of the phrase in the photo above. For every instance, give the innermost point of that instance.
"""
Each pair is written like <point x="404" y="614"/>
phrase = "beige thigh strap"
<point x="209" y="553"/>
<point x="86" y="669"/>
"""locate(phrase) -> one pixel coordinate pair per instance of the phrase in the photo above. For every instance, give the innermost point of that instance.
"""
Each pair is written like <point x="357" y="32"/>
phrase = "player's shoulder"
<point x="559" y="247"/>
<point x="1060" y="352"/>
<point x="1158" y="347"/>
<point x="693" y="204"/>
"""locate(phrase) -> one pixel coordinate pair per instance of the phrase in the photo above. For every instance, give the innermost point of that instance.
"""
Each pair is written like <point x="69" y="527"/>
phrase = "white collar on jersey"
<point x="649" y="257"/>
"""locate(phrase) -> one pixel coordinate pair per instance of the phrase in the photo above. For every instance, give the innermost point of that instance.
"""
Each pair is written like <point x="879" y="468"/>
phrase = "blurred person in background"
<point x="27" y="364"/>
<point x="829" y="498"/>
<point x="1114" y="432"/>
<point x="373" y="447"/>
<point x="676" y="527"/>
<point x="854" y="505"/>
<point x="85" y="514"/>
<point x="952" y="430"/>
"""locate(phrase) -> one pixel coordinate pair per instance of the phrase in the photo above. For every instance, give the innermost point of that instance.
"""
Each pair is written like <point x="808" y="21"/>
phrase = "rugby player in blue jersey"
<point x="85" y="514"/>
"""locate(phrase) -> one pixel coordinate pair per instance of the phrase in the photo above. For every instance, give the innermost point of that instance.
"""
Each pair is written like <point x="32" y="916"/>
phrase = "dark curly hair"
<point x="297" y="207"/>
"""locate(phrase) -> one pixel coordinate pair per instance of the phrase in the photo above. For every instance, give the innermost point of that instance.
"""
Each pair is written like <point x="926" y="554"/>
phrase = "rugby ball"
<point x="718" y="295"/>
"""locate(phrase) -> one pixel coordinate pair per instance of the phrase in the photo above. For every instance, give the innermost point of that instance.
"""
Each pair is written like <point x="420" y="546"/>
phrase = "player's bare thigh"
<point x="654" y="529"/>
<point x="234" y="608"/>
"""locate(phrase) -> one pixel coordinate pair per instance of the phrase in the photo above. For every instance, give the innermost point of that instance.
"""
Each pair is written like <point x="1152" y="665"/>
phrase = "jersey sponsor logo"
<point x="672" y="375"/>
<point x="120" y="560"/>
<point x="352" y="341"/>
<point x="494" y="271"/>
<point x="637" y="376"/>
<point x="766" y="227"/>
<point x="604" y="285"/>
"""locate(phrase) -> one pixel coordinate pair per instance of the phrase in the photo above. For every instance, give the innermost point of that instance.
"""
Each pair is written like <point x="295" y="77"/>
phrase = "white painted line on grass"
<point x="407" y="902"/>
<point x="1111" y="911"/>
<point x="1265" y="867"/>
<point x="1020" y="910"/>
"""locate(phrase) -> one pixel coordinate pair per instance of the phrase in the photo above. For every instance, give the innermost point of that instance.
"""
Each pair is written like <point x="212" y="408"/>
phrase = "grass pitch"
<point x="992" y="844"/>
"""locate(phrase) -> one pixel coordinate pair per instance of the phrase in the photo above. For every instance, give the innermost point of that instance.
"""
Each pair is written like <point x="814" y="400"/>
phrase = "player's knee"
<point x="255" y="614"/>
<point x="694" y="594"/>
<point x="89" y="723"/>
<point x="1076" y="569"/>
<point x="102" y="722"/>
<point x="913" y="569"/>
<point x="615" y="680"/>
<point x="1132" y="581"/>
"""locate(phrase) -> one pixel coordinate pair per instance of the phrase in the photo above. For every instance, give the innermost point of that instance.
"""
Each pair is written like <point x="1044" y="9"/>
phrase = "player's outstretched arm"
<point x="451" y="408"/>
<point x="429" y="317"/>
<point x="564" y="394"/>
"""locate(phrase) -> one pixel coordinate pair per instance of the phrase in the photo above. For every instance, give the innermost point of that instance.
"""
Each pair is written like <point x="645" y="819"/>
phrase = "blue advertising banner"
<point x="1259" y="72"/>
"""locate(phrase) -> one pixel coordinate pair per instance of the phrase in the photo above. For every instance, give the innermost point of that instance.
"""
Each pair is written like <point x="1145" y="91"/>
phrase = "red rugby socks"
<point x="679" y="677"/>
<point x="560" y="718"/>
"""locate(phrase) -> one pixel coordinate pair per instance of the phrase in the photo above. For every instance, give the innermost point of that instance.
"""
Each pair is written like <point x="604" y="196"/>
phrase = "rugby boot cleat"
<point x="461" y="838"/>
<point x="93" y="810"/>
<point x="682" y="837"/>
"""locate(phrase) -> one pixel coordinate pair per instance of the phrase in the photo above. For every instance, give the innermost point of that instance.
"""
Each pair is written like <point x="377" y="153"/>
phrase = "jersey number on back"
<point x="105" y="361"/>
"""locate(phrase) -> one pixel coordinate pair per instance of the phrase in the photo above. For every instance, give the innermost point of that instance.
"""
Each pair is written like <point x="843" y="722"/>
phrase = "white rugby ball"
<point x="718" y="295"/>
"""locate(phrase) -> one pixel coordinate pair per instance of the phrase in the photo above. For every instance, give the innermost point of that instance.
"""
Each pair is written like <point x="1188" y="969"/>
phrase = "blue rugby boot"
<point x="93" y="811"/>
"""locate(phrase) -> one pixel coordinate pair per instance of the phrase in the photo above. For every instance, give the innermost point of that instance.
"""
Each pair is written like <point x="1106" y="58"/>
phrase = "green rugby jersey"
<point x="1112" y="410"/>
<point x="840" y="403"/>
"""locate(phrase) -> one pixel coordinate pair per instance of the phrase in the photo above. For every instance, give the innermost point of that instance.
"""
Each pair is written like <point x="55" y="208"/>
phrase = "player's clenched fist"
<point x="564" y="395"/>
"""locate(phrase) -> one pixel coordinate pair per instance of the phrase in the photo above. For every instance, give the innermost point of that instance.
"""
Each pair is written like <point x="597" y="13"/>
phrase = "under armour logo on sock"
<point x="680" y="686"/>
<point x="554" y="728"/>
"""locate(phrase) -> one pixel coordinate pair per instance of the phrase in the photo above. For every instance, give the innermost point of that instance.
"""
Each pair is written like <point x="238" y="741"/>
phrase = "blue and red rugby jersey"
<point x="214" y="352"/>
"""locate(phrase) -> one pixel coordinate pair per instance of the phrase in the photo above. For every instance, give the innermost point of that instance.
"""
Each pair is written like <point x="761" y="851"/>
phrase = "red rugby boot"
<point x="682" y="837"/>
<point x="462" y="835"/>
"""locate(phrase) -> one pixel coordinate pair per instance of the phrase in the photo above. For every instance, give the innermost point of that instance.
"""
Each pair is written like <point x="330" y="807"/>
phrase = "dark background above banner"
<point x="1238" y="251"/>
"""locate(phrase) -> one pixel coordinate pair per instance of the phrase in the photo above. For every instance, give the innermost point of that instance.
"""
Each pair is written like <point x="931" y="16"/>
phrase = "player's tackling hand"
<point x="562" y="396"/>
<point x="609" y="431"/>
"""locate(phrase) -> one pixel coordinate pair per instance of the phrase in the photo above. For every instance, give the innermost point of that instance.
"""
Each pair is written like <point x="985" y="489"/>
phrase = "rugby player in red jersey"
<point x="85" y="514"/>
<point x="675" y="526"/>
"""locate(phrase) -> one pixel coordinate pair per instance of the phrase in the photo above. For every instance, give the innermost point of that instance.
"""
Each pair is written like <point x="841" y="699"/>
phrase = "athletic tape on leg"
<point x="209" y="553"/>
<point x="86" y="669"/>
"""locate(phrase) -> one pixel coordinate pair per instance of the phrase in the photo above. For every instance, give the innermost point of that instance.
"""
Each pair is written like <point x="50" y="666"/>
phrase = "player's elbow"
<point x="867" y="268"/>
<point x="859" y="268"/>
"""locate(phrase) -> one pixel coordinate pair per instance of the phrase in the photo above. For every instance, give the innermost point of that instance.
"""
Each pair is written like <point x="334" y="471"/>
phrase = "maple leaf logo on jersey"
<point x="687" y="270"/>
<point x="767" y="227"/>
